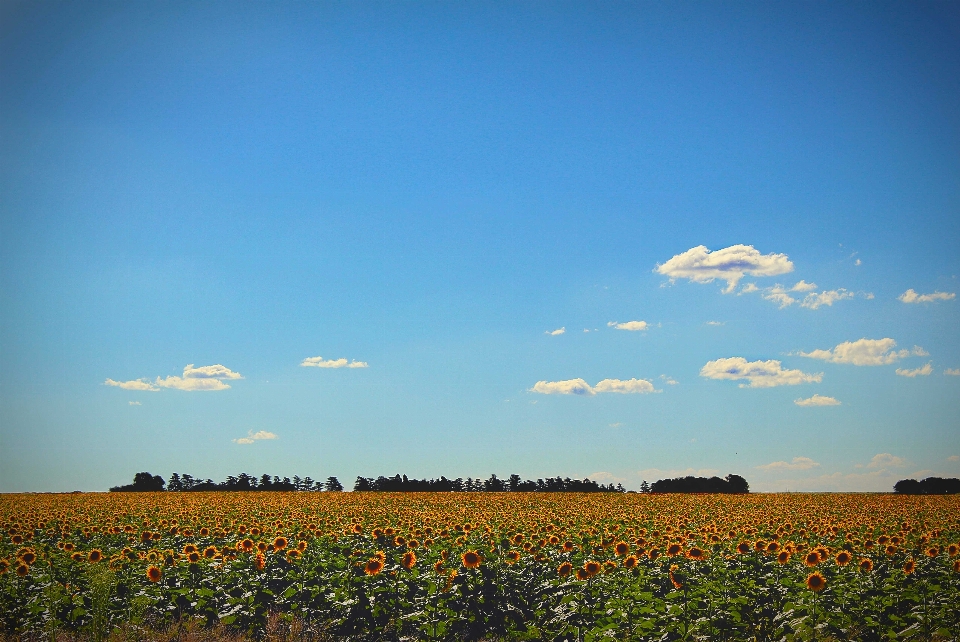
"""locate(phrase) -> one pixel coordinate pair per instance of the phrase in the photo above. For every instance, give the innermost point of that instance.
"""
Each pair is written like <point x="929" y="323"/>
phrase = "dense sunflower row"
<point x="462" y="566"/>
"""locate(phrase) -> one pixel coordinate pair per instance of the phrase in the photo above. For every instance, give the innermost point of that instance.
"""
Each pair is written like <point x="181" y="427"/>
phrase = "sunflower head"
<point x="471" y="559"/>
<point x="564" y="569"/>
<point x="582" y="574"/>
<point x="783" y="557"/>
<point x="193" y="557"/>
<point x="909" y="567"/>
<point x="696" y="553"/>
<point x="373" y="566"/>
<point x="592" y="567"/>
<point x="843" y="558"/>
<point x="743" y="548"/>
<point x="94" y="556"/>
<point x="674" y="549"/>
<point x="630" y="561"/>
<point x="409" y="560"/>
<point x="952" y="550"/>
<point x="812" y="558"/>
<point x="866" y="565"/>
<point x="279" y="543"/>
<point x="293" y="554"/>
<point x="23" y="570"/>
<point x="512" y="557"/>
<point x="154" y="574"/>
<point x="816" y="582"/>
<point x="933" y="551"/>
<point x="621" y="549"/>
<point x="210" y="552"/>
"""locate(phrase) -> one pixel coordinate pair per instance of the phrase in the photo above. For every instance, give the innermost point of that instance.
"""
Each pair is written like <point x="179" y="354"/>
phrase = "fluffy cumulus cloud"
<point x="779" y="295"/>
<point x="631" y="326"/>
<point x="557" y="332"/>
<point x="922" y="371"/>
<point x="828" y="297"/>
<point x="254" y="437"/>
<point x="730" y="264"/>
<point x="865" y="352"/>
<point x="803" y="286"/>
<point x="910" y="296"/>
<point x="758" y="374"/>
<point x="817" y="400"/>
<point x="886" y="460"/>
<point x="581" y="387"/>
<point x="953" y="372"/>
<point x="320" y="362"/>
<point x="798" y="463"/>
<point x="204" y="378"/>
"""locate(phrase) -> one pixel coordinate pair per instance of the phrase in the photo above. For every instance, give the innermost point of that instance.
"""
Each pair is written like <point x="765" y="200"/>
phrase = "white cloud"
<point x="210" y="372"/>
<point x="910" y="296"/>
<point x="779" y="296"/>
<point x="953" y="372"/>
<point x="865" y="352"/>
<point x="748" y="288"/>
<point x="730" y="264"/>
<point x="760" y="374"/>
<point x="568" y="387"/>
<point x="320" y="362"/>
<point x="867" y="295"/>
<point x="875" y="481"/>
<point x="135" y="384"/>
<point x="670" y="381"/>
<point x="922" y="371"/>
<point x="654" y="473"/>
<point x="616" y="425"/>
<point x="627" y="386"/>
<point x="803" y="286"/>
<point x="556" y="332"/>
<point x="585" y="330"/>
<point x="190" y="384"/>
<point x="632" y="326"/>
<point x="886" y="460"/>
<point x="206" y="378"/>
<point x="714" y="322"/>
<point x="817" y="400"/>
<point x="134" y="403"/>
<point x="604" y="476"/>
<point x="827" y="297"/>
<point x="581" y="387"/>
<point x="798" y="463"/>
<point x="255" y="436"/>
<point x="953" y="458"/>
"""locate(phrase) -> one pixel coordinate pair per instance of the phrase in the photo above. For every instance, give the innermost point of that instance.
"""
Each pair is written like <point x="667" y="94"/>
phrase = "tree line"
<point x="690" y="484"/>
<point x="928" y="486"/>
<point x="513" y="484"/>
<point x="145" y="482"/>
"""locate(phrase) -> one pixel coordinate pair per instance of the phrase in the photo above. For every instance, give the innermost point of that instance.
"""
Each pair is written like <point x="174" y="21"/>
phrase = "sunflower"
<point x="582" y="574"/>
<point x="193" y="557"/>
<point x="673" y="578"/>
<point x="438" y="567"/>
<point x="630" y="561"/>
<point x="399" y="540"/>
<point x="23" y="570"/>
<point x="653" y="554"/>
<point x="891" y="550"/>
<point x="952" y="550"/>
<point x="260" y="561"/>
<point x="843" y="558"/>
<point x="94" y="556"/>
<point x="783" y="557"/>
<point x="204" y="532"/>
<point x="357" y="529"/>
<point x="280" y="543"/>
<point x="956" y="566"/>
<point x="77" y="556"/>
<point x="512" y="557"/>
<point x="17" y="539"/>
<point x="933" y="551"/>
<point x="154" y="574"/>
<point x="909" y="567"/>
<point x="812" y="558"/>
<point x="302" y="546"/>
<point x="696" y="553"/>
<point x="210" y="552"/>
<point x="743" y="548"/>
<point x="674" y="549"/>
<point x="471" y="559"/>
<point x="293" y="554"/>
<point x="262" y="547"/>
<point x="773" y="547"/>
<point x="568" y="546"/>
<point x="591" y="567"/>
<point x="27" y="556"/>
<point x="373" y="566"/>
<point x="760" y="546"/>
<point x="4" y="566"/>
<point x="866" y="565"/>
<point x="189" y="548"/>
<point x="816" y="582"/>
<point x="245" y="545"/>
<point x="409" y="560"/>
<point x="67" y="546"/>
<point x="621" y="549"/>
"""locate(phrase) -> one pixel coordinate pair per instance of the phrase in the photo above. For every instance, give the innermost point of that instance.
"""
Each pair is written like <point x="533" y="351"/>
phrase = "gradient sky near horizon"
<point x="617" y="240"/>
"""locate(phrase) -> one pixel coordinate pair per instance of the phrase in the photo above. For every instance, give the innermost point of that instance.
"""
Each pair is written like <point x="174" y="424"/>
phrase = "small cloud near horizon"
<point x="255" y="436"/>
<point x="630" y="326"/>
<point x="134" y="403"/>
<point x="320" y="362"/>
<point x="798" y="463"/>
<point x="557" y="332"/>
<point x="817" y="400"/>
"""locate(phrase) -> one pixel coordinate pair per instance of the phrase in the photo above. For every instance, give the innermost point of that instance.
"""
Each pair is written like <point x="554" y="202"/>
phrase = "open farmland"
<point x="484" y="565"/>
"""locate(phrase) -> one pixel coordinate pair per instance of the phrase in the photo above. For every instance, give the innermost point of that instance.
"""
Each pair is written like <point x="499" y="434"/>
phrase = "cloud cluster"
<point x="953" y="372"/>
<point x="581" y="387"/>
<point x="817" y="400"/>
<point x="320" y="362"/>
<point x="557" y="332"/>
<point x="865" y="352"/>
<point x="922" y="371"/>
<point x="204" y="378"/>
<point x="730" y="264"/>
<point x="631" y="326"/>
<point x="910" y="296"/>
<point x="827" y="297"/>
<point x="886" y="460"/>
<point x="784" y="298"/>
<point x="758" y="374"/>
<point x="254" y="436"/>
<point x="798" y="463"/>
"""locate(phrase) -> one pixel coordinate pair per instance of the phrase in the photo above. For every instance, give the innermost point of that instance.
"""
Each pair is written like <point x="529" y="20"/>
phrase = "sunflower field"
<point x="490" y="566"/>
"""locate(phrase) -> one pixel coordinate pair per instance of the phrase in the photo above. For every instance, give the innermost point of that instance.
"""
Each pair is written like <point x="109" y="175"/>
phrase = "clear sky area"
<point x="619" y="240"/>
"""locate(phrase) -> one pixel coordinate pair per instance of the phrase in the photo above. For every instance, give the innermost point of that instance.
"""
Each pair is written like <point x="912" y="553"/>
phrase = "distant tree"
<point x="333" y="485"/>
<point x="175" y="484"/>
<point x="142" y="482"/>
<point x="644" y="487"/>
<point x="362" y="484"/>
<point x="513" y="483"/>
<point x="928" y="486"/>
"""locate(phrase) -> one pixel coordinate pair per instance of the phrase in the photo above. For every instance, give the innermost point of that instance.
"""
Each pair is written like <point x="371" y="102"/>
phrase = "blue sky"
<point x="198" y="198"/>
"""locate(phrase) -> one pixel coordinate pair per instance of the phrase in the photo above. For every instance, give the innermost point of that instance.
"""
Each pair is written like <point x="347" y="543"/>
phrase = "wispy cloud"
<point x="654" y="473"/>
<point x="134" y="403"/>
<point x="817" y="400"/>
<point x="730" y="264"/>
<point x="759" y="374"/>
<point x="255" y="436"/>
<point x="714" y="323"/>
<point x="865" y="352"/>
<point x="886" y="460"/>
<point x="670" y="381"/>
<point x="798" y="463"/>
<point x="953" y="372"/>
<point x="204" y="378"/>
<point x="910" y="296"/>
<point x="582" y="388"/>
<point x="953" y="458"/>
<point x="320" y="362"/>
<point x="803" y="286"/>
<point x="922" y="371"/>
<point x="558" y="331"/>
<point x="779" y="295"/>
<point x="632" y="326"/>
<point x="827" y="297"/>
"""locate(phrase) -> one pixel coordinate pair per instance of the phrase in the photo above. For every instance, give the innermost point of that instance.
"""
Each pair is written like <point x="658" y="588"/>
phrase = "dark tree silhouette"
<point x="928" y="486"/>
<point x="731" y="484"/>
<point x="142" y="482"/>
